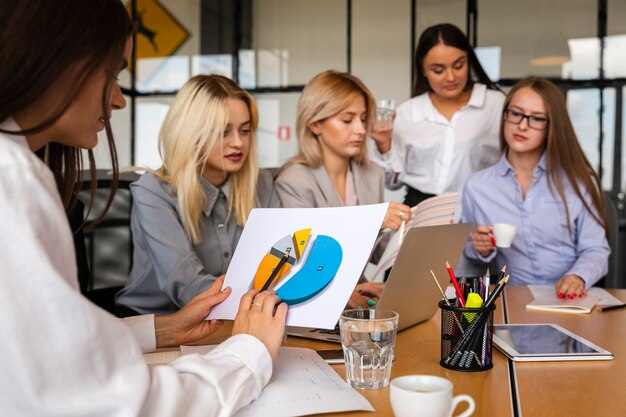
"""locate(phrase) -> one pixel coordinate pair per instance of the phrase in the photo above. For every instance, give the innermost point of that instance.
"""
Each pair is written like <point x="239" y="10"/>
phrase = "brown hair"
<point x="39" y="40"/>
<point x="449" y="35"/>
<point x="326" y="95"/>
<point x="565" y="158"/>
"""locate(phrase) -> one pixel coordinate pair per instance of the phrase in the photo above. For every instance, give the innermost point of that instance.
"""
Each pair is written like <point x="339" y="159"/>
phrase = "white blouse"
<point x="63" y="356"/>
<point x="435" y="155"/>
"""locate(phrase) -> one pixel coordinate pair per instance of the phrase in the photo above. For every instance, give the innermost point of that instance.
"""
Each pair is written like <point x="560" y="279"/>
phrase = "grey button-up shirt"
<point x="168" y="270"/>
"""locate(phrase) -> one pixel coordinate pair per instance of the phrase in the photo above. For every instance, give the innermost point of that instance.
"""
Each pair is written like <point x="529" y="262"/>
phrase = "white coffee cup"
<point x="503" y="233"/>
<point x="426" y="396"/>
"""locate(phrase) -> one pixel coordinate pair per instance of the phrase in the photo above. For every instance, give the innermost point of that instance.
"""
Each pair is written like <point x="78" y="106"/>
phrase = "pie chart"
<point x="317" y="270"/>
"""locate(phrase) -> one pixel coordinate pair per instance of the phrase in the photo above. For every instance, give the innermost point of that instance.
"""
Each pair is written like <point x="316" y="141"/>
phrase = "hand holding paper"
<point x="327" y="269"/>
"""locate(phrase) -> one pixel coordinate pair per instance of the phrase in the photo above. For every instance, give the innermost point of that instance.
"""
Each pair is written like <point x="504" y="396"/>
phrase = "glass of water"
<point x="384" y="115"/>
<point x="368" y="338"/>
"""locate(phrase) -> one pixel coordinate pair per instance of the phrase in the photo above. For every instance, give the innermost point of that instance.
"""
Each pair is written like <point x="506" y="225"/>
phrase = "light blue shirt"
<point x="543" y="250"/>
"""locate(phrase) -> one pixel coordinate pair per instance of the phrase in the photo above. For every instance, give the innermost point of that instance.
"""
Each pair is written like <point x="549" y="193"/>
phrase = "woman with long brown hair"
<point x="62" y="355"/>
<point x="546" y="187"/>
<point x="449" y="129"/>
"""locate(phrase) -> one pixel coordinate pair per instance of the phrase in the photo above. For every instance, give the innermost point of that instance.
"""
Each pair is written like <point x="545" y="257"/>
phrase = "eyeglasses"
<point x="534" y="122"/>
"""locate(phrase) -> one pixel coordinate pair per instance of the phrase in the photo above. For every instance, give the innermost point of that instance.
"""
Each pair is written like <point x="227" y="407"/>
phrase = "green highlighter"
<point x="473" y="301"/>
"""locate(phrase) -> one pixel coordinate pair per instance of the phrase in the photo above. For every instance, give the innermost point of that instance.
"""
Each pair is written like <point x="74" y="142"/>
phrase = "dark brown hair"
<point x="39" y="40"/>
<point x="565" y="158"/>
<point x="449" y="35"/>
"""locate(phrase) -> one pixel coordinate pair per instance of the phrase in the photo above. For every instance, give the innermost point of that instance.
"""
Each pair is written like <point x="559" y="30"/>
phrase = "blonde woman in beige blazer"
<point x="332" y="168"/>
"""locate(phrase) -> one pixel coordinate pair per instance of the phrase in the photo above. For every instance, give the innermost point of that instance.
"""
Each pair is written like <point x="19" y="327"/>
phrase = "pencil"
<point x="456" y="284"/>
<point x="496" y="291"/>
<point x="445" y="299"/>
<point x="443" y="295"/>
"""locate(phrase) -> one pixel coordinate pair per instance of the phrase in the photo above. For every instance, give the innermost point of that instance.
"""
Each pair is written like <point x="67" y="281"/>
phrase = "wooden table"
<point x="418" y="352"/>
<point x="585" y="388"/>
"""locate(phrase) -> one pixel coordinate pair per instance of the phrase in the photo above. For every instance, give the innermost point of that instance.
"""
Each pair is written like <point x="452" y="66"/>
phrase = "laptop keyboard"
<point x="325" y="331"/>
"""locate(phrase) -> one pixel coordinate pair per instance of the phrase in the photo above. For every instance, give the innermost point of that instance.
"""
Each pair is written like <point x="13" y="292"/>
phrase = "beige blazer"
<point x="299" y="185"/>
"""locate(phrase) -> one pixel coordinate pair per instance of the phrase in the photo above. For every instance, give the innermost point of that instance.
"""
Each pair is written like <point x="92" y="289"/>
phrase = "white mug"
<point x="503" y="233"/>
<point x="426" y="396"/>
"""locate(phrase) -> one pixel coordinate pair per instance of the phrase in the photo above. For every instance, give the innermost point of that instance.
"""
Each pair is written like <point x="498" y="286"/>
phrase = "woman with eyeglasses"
<point x="449" y="129"/>
<point x="545" y="186"/>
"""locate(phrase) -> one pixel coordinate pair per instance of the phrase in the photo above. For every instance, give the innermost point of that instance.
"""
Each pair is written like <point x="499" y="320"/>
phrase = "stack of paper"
<point x="433" y="211"/>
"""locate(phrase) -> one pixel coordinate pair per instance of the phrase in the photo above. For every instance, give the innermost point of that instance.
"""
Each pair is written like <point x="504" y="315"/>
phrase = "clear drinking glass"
<point x="384" y="115"/>
<point x="368" y="338"/>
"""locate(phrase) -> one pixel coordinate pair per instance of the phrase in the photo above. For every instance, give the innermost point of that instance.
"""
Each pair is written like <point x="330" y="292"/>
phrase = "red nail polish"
<point x="583" y="294"/>
<point x="570" y="296"/>
<point x="493" y="241"/>
<point x="574" y="295"/>
<point x="561" y="295"/>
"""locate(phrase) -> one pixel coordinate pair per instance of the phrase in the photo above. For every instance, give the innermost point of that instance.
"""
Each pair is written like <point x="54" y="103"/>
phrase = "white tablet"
<point x="545" y="342"/>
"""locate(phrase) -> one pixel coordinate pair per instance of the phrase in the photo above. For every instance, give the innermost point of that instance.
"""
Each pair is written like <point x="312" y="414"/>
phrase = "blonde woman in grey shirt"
<point x="187" y="217"/>
<point x="332" y="167"/>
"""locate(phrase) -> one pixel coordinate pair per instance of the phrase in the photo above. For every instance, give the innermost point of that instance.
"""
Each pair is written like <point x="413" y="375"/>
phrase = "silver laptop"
<point x="410" y="290"/>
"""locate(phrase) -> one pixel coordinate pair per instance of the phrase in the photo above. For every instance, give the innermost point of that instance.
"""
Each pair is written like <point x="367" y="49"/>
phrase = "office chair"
<point x="104" y="251"/>
<point x="612" y="278"/>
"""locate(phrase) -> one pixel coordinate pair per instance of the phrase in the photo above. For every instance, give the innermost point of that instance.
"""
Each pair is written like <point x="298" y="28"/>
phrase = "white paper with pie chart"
<point x="314" y="256"/>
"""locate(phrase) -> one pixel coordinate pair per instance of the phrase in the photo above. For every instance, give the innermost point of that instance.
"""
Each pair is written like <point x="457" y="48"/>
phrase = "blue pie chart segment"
<point x="319" y="270"/>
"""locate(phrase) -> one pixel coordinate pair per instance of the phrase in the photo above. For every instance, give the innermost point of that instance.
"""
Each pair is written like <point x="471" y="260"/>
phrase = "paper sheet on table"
<point x="354" y="228"/>
<point x="158" y="358"/>
<point x="546" y="292"/>
<point x="302" y="384"/>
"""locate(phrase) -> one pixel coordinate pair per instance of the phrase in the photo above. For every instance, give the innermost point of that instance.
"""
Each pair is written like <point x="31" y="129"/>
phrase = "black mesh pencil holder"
<point x="466" y="337"/>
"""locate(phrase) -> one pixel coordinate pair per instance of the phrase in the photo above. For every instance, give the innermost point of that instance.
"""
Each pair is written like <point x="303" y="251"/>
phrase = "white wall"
<point x="296" y="39"/>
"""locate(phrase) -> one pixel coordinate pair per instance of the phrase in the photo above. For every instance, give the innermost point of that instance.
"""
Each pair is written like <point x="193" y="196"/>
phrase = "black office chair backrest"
<point x="105" y="258"/>
<point x="613" y="278"/>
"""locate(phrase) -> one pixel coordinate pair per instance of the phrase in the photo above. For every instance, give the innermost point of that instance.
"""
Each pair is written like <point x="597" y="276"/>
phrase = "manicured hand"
<point x="483" y="241"/>
<point x="570" y="286"/>
<point x="263" y="316"/>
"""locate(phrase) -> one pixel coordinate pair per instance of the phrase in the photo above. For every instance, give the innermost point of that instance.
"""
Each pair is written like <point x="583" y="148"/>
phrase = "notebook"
<point x="545" y="299"/>
<point x="579" y="305"/>
<point x="410" y="290"/>
<point x="437" y="210"/>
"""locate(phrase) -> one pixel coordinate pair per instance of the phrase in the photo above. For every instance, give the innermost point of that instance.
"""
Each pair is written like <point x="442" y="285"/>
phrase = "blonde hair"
<point x="193" y="126"/>
<point x="326" y="95"/>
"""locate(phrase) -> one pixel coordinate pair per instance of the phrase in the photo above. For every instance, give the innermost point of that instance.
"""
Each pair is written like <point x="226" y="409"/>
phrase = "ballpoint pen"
<point x="608" y="308"/>
<point x="487" y="282"/>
